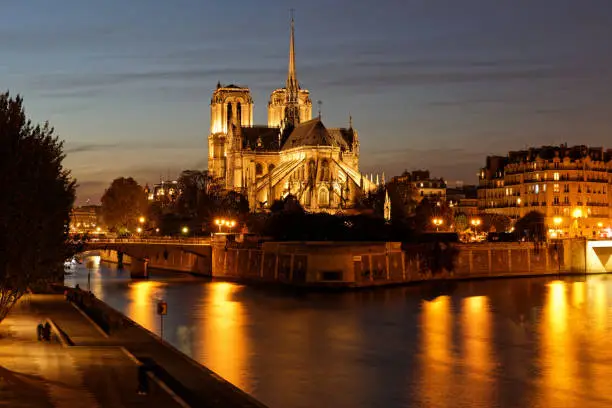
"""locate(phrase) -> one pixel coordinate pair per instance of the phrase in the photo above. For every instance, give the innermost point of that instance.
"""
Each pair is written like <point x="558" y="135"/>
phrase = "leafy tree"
<point x="38" y="194"/>
<point x="531" y="227"/>
<point x="426" y="211"/>
<point x="123" y="203"/>
<point x="193" y="186"/>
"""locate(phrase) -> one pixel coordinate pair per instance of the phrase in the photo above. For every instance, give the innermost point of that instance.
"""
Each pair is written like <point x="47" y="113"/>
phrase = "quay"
<point x="86" y="366"/>
<point x="357" y="264"/>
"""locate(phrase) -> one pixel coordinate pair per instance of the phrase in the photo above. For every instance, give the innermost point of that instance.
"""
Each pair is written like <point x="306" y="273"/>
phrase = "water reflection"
<point x="503" y="343"/>
<point x="144" y="296"/>
<point x="223" y="342"/>
<point x="478" y="365"/>
<point x="436" y="354"/>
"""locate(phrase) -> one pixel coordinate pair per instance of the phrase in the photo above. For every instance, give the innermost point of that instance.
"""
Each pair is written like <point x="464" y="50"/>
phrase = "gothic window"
<point x="239" y="114"/>
<point x="229" y="115"/>
<point x="258" y="169"/>
<point x="323" y="197"/>
<point x="312" y="170"/>
<point x="270" y="168"/>
<point x="324" y="170"/>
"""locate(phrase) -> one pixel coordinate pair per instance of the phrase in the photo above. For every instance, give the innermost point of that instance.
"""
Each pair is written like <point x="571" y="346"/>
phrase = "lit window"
<point x="556" y="176"/>
<point x="537" y="189"/>
<point x="555" y="187"/>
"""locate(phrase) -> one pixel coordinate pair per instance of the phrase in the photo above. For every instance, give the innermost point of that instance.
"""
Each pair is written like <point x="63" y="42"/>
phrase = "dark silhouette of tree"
<point x="37" y="196"/>
<point x="426" y="211"/>
<point x="531" y="227"/>
<point x="123" y="203"/>
<point x="495" y="223"/>
<point x="194" y="186"/>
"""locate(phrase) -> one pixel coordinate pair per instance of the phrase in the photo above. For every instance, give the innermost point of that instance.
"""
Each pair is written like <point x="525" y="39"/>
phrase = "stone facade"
<point x="294" y="154"/>
<point x="569" y="185"/>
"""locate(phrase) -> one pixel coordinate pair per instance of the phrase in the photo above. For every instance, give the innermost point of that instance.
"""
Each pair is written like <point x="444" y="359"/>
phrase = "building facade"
<point x="294" y="154"/>
<point x="420" y="183"/>
<point x="570" y="186"/>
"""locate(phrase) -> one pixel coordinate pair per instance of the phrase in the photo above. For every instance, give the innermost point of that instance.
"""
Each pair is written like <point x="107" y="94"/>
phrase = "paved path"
<point x="41" y="374"/>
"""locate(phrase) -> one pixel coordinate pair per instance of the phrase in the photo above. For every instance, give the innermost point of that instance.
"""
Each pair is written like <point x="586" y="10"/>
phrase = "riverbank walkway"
<point x="79" y="369"/>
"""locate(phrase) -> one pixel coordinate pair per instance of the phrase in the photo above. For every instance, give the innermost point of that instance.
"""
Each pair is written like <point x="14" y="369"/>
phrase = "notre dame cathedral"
<point x="294" y="154"/>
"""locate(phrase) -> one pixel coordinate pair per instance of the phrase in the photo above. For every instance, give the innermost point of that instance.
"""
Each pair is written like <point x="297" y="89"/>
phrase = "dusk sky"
<point x="434" y="84"/>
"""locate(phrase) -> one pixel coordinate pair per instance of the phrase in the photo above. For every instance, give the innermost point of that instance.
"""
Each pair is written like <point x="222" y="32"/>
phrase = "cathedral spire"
<point x="292" y="111"/>
<point x="291" y="76"/>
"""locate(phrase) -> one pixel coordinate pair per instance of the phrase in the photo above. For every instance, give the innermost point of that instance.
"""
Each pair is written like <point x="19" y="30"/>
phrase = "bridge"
<point x="192" y="255"/>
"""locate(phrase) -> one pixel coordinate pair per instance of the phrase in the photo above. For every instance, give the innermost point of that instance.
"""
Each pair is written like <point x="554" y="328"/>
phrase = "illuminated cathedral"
<point x="294" y="154"/>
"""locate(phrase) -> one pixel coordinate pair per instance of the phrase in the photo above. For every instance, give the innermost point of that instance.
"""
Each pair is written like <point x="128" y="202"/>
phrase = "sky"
<point x="436" y="84"/>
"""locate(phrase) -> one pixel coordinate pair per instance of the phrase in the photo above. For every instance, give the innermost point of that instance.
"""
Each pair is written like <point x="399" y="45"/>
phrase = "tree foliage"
<point x="531" y="227"/>
<point x="123" y="203"/>
<point x="38" y="194"/>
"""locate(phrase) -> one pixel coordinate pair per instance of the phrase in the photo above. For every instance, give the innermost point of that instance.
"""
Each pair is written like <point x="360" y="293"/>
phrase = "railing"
<point x="171" y="241"/>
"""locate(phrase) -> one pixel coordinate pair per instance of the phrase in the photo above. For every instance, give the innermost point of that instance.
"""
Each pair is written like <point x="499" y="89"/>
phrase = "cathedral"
<point x="294" y="154"/>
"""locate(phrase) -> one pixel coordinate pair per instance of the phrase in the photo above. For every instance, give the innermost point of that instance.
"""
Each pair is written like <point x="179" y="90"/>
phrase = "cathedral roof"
<point x="314" y="133"/>
<point x="260" y="138"/>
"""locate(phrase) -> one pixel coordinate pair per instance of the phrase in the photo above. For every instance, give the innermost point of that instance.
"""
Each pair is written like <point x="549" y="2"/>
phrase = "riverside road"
<point x="536" y="342"/>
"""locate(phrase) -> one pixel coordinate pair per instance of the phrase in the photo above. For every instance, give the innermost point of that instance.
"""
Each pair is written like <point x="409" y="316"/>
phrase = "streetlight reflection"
<point x="223" y="342"/>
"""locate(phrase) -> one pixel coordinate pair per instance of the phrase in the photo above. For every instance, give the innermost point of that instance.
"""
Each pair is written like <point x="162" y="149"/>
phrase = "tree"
<point x="193" y="186"/>
<point x="38" y="194"/>
<point x="531" y="227"/>
<point x="123" y="203"/>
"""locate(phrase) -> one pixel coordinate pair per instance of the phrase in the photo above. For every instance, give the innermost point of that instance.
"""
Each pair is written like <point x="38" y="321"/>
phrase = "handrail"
<point x="185" y="241"/>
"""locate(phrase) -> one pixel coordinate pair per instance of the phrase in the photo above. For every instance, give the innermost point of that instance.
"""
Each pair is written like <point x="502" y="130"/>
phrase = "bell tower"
<point x="228" y="103"/>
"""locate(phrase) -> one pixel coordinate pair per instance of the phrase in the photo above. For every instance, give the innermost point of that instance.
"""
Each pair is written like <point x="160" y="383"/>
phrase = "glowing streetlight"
<point x="437" y="222"/>
<point x="220" y="222"/>
<point x="185" y="230"/>
<point x="557" y="221"/>
<point x="141" y="220"/>
<point x="139" y="230"/>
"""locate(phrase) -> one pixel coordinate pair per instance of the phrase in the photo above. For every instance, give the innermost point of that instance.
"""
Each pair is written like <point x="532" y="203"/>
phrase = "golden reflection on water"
<point x="558" y="356"/>
<point x="143" y="302"/>
<point x="476" y="324"/>
<point x="223" y="339"/>
<point x="436" y="342"/>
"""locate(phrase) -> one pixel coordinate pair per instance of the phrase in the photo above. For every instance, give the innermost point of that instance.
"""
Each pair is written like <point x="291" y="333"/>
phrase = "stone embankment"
<point x="191" y="382"/>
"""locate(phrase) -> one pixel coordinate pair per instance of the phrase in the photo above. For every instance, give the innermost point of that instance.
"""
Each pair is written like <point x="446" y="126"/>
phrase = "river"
<point x="531" y="342"/>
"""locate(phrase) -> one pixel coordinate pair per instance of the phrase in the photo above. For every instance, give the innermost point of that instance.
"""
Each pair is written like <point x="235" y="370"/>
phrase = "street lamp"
<point x="139" y="230"/>
<point x="475" y="224"/>
<point x="437" y="222"/>
<point x="185" y="230"/>
<point x="231" y="224"/>
<point x="220" y="222"/>
<point x="141" y="220"/>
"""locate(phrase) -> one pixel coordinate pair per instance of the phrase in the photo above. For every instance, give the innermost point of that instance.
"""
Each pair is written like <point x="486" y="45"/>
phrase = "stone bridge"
<point x="193" y="255"/>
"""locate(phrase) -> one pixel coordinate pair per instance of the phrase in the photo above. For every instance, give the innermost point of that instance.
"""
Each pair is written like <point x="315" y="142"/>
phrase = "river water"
<point x="535" y="342"/>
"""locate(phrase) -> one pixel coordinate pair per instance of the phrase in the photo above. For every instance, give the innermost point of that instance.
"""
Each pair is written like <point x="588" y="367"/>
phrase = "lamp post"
<point x="220" y="222"/>
<point x="437" y="222"/>
<point x="475" y="224"/>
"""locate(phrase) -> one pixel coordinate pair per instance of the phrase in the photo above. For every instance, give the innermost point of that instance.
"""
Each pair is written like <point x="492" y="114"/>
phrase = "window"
<point x="324" y="170"/>
<point x="566" y="200"/>
<point x="556" y="200"/>
<point x="566" y="188"/>
<point x="270" y="168"/>
<point x="323" y="197"/>
<point x="258" y="169"/>
<point x="556" y="176"/>
<point x="555" y="188"/>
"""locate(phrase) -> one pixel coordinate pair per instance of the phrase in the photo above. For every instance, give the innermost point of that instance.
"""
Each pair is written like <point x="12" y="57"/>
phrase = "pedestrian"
<point x="143" y="380"/>
<point x="39" y="331"/>
<point x="47" y="332"/>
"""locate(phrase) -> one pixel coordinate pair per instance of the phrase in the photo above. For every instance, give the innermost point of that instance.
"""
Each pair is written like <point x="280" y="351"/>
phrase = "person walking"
<point x="143" y="381"/>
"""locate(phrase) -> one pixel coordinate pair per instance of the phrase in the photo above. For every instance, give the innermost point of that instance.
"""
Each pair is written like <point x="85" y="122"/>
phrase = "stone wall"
<point x="371" y="264"/>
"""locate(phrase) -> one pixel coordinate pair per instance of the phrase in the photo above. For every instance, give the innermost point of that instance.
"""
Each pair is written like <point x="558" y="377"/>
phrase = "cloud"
<point x="71" y="84"/>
